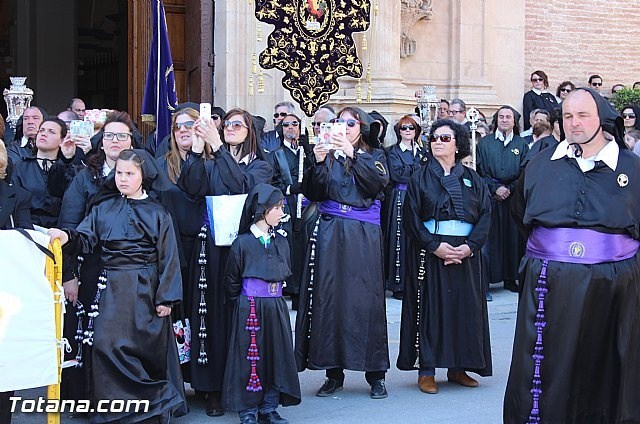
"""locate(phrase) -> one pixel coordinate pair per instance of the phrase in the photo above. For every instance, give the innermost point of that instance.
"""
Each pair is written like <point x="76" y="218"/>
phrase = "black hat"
<point x="385" y="124"/>
<point x="260" y="199"/>
<point x="369" y="128"/>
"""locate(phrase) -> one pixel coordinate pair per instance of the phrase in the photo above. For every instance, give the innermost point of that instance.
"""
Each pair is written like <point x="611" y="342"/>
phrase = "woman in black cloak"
<point x="341" y="322"/>
<point x="404" y="158"/>
<point x="447" y="215"/>
<point x="238" y="164"/>
<point x="133" y="351"/>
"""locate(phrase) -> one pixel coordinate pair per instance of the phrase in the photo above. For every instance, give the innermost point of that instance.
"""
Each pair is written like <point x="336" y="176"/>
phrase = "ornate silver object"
<point x="428" y="107"/>
<point x="17" y="97"/>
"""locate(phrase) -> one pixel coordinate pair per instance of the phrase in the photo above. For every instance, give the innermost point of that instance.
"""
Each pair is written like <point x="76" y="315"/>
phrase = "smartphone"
<point x="325" y="133"/>
<point x="340" y="128"/>
<point x="205" y="110"/>
<point x="81" y="128"/>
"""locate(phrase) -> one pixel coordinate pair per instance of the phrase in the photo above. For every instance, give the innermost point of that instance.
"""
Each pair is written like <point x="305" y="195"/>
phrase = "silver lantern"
<point x="17" y="97"/>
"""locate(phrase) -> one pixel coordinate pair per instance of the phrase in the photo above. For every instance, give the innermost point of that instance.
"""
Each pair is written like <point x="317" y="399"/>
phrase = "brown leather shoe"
<point x="461" y="378"/>
<point x="428" y="384"/>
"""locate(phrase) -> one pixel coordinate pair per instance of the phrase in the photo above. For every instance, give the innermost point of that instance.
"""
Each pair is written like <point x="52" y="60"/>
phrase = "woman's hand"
<point x="320" y="151"/>
<point x="163" y="311"/>
<point x="206" y="130"/>
<point x="340" y="142"/>
<point x="83" y="142"/>
<point x="68" y="148"/>
<point x="56" y="234"/>
<point x="71" y="290"/>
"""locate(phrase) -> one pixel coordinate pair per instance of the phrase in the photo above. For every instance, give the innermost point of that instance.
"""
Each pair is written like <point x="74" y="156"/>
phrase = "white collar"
<point x="535" y="90"/>
<point x="500" y="136"/>
<point x="290" y="146"/>
<point x="24" y="141"/>
<point x="257" y="232"/>
<point x="404" y="148"/>
<point x="245" y="159"/>
<point x="143" y="196"/>
<point x="105" y="169"/>
<point x="338" y="153"/>
<point x="608" y="154"/>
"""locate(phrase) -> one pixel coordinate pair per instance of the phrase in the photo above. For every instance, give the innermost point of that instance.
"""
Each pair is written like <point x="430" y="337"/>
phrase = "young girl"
<point x="133" y="353"/>
<point x="260" y="372"/>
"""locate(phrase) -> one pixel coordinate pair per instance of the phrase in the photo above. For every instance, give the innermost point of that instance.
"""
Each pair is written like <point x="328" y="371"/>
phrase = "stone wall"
<point x="571" y="40"/>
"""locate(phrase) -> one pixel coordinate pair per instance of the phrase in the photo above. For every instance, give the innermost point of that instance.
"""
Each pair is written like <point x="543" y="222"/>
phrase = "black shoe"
<point x="379" y="389"/>
<point x="511" y="286"/>
<point x="214" y="406"/>
<point x="397" y="295"/>
<point x="488" y="296"/>
<point x="271" y="418"/>
<point x="248" y="419"/>
<point x="329" y="388"/>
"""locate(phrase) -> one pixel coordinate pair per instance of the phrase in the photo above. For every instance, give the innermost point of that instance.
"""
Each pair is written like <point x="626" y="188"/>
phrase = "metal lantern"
<point x="17" y="97"/>
<point x="428" y="107"/>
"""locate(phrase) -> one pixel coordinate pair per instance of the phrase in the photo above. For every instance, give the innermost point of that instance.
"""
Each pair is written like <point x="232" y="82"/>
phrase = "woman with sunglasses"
<point x="630" y="114"/>
<point x="537" y="97"/>
<point x="238" y="164"/>
<point x="342" y="298"/>
<point x="447" y="214"/>
<point x="403" y="158"/>
<point x="564" y="88"/>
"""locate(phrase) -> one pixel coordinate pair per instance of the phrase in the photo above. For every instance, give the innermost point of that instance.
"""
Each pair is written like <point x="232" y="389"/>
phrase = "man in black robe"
<point x="576" y="354"/>
<point x="500" y="156"/>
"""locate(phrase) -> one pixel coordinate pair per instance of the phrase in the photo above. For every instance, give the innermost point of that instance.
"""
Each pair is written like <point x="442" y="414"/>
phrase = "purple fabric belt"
<point x="305" y="202"/>
<point x="580" y="245"/>
<point x="260" y="288"/>
<point x="401" y="186"/>
<point x="370" y="214"/>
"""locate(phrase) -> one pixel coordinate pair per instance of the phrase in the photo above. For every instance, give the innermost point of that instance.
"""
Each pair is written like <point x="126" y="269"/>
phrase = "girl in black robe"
<point x="341" y="322"/>
<point x="133" y="351"/>
<point x="238" y="164"/>
<point x="444" y="311"/>
<point x="404" y="158"/>
<point x="258" y="265"/>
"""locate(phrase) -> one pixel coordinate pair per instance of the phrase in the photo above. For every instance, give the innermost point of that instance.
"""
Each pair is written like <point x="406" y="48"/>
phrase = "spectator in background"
<point x="617" y="88"/>
<point x="443" y="109"/>
<point x="631" y="140"/>
<point x="321" y="116"/>
<point x="24" y="144"/>
<point x="536" y="115"/>
<point x="556" y="121"/>
<point x="595" y="82"/>
<point x="636" y="85"/>
<point x="563" y="89"/>
<point x="458" y="112"/>
<point x="537" y="97"/>
<point x="78" y="107"/>
<point x="630" y="115"/>
<point x="270" y="140"/>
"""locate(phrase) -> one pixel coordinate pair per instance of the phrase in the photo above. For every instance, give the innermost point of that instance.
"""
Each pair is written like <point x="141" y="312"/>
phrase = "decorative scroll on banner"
<point x="312" y="44"/>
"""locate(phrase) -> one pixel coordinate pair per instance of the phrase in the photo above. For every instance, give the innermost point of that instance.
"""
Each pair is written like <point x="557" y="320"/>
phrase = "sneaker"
<point x="378" y="389"/>
<point x="329" y="388"/>
<point x="271" y="418"/>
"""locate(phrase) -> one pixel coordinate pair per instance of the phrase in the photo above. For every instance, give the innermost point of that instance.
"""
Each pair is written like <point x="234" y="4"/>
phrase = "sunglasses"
<point x="445" y="138"/>
<point x="628" y="115"/>
<point x="215" y="117"/>
<point x="280" y="115"/>
<point x="350" y="122"/>
<point x="316" y="124"/>
<point x="119" y="136"/>
<point x="293" y="124"/>
<point x="596" y="84"/>
<point x="407" y="128"/>
<point x="179" y="125"/>
<point x="537" y="79"/>
<point x="234" y="125"/>
<point x="565" y="90"/>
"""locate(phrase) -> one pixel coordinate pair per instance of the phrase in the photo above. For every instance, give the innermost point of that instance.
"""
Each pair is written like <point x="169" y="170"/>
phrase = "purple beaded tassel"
<point x="398" y="236"/>
<point x="253" y="355"/>
<point x="538" y="356"/>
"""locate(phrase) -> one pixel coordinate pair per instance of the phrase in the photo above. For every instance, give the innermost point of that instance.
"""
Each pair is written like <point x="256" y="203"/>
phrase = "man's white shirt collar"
<point x="290" y="146"/>
<point x="500" y="136"/>
<point x="24" y="141"/>
<point x="608" y="154"/>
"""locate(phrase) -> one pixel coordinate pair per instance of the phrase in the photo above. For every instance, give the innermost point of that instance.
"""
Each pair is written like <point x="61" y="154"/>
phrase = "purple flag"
<point x="160" y="99"/>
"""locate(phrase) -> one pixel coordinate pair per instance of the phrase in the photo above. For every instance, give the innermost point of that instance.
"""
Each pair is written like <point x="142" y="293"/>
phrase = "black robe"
<point x="345" y="326"/>
<point x="200" y="178"/>
<point x="531" y="100"/>
<point x="590" y="372"/>
<point x="14" y="207"/>
<point x="500" y="166"/>
<point x="402" y="164"/>
<point x="46" y="188"/>
<point x="453" y="325"/>
<point x="134" y="355"/>
<point x="276" y="367"/>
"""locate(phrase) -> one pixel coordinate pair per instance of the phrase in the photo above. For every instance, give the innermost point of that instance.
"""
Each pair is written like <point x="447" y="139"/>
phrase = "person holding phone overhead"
<point x="238" y="164"/>
<point x="342" y="298"/>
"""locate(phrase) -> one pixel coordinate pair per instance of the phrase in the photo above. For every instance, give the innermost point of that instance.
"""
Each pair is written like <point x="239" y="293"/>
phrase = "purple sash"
<point x="370" y="214"/>
<point x="260" y="288"/>
<point x="400" y="186"/>
<point x="305" y="202"/>
<point x="580" y="245"/>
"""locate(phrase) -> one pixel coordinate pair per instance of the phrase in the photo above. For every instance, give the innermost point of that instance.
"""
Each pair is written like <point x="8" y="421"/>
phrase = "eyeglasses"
<point x="350" y="122"/>
<point x="537" y="79"/>
<point x="215" y="117"/>
<point x="119" y="136"/>
<point x="316" y="124"/>
<point x="407" y="128"/>
<point x="445" y="138"/>
<point x="280" y="115"/>
<point x="453" y="112"/>
<point x="179" y="125"/>
<point x="628" y="115"/>
<point x="596" y="84"/>
<point x="293" y="124"/>
<point x="565" y="90"/>
<point x="234" y="125"/>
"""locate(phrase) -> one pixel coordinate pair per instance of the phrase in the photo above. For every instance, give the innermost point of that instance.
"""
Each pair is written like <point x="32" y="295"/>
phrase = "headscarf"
<point x="260" y="199"/>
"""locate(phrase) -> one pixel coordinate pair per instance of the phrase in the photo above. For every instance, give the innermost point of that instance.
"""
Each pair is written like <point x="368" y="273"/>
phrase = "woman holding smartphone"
<point x="342" y="297"/>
